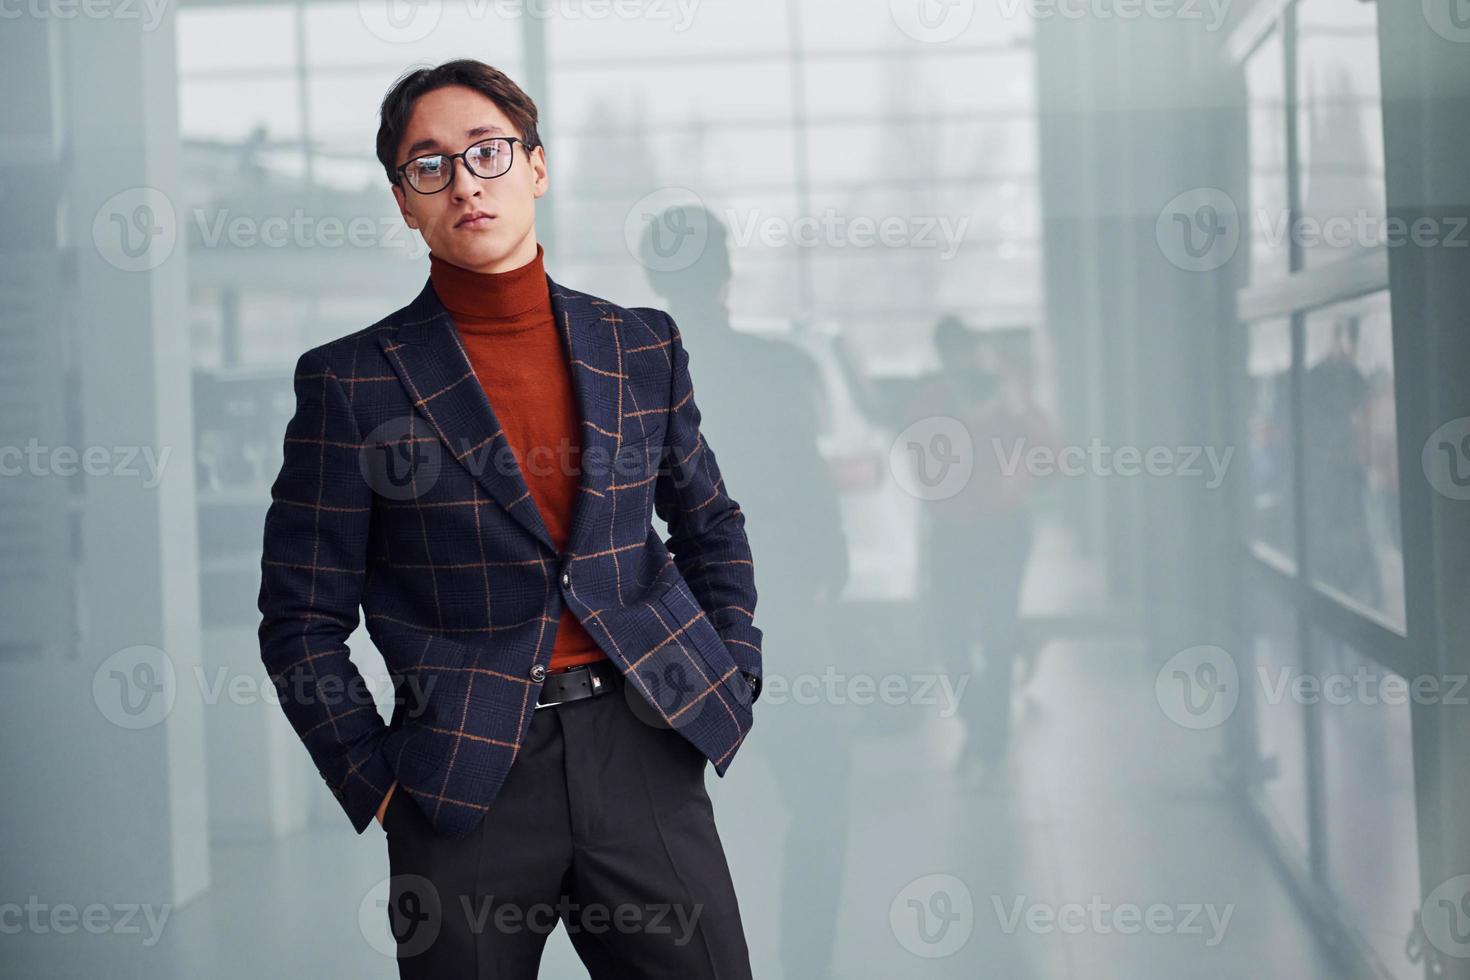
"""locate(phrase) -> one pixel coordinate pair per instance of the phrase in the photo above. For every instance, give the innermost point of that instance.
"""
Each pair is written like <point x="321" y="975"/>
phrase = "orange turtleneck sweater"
<point x="506" y="322"/>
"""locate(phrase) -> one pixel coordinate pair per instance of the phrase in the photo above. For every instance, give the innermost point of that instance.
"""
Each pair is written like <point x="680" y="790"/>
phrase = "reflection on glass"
<point x="1350" y="455"/>
<point x="1339" y="129"/>
<point x="1265" y="80"/>
<point x="1368" y="779"/>
<point x="1281" y="718"/>
<point x="1268" y="370"/>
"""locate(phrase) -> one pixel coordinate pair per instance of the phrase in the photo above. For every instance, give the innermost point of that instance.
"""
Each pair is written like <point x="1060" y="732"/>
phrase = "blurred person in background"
<point x="763" y="398"/>
<point x="1336" y="397"/>
<point x="977" y="542"/>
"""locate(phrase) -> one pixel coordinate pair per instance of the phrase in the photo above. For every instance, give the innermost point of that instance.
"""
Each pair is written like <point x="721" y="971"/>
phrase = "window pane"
<point x="1339" y="128"/>
<point x="262" y="108"/>
<point x="655" y="31"/>
<point x="848" y="162"/>
<point x="226" y="38"/>
<point x="943" y="83"/>
<point x="924" y="150"/>
<point x="903" y="284"/>
<point x="1350" y="454"/>
<point x="1281" y="717"/>
<point x="1368" y="781"/>
<point x="1265" y="79"/>
<point x="1269" y="428"/>
<point x="843" y="25"/>
<point x="657" y="94"/>
<point x="628" y="163"/>
<point x="344" y="108"/>
<point x="271" y="323"/>
<point x="341" y="34"/>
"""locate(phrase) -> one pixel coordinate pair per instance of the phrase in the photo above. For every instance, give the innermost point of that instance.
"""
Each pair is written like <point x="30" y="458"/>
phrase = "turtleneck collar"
<point x="491" y="296"/>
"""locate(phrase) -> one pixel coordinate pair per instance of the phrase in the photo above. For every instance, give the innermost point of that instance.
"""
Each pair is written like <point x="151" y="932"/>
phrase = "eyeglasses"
<point x="489" y="158"/>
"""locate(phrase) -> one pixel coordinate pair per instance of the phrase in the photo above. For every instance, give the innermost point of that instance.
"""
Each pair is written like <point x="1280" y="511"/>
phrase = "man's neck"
<point x="517" y="257"/>
<point x="470" y="295"/>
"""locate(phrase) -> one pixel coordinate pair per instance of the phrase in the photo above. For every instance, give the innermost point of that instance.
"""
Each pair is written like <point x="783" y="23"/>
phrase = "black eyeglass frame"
<point x="462" y="158"/>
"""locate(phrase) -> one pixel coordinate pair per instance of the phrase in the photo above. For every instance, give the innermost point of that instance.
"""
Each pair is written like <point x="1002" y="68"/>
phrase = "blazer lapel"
<point x="430" y="359"/>
<point x="592" y="340"/>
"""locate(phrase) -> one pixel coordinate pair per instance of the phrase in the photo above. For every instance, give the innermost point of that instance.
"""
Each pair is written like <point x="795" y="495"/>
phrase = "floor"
<point x="1107" y="806"/>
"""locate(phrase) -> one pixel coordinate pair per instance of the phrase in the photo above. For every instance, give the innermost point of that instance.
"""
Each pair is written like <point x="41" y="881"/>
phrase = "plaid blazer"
<point x="399" y="493"/>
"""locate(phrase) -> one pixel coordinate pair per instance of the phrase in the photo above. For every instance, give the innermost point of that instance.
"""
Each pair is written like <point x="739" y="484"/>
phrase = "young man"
<point x="478" y="471"/>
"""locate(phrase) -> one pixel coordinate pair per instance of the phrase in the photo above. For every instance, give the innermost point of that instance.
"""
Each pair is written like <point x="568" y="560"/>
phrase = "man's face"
<point x="485" y="225"/>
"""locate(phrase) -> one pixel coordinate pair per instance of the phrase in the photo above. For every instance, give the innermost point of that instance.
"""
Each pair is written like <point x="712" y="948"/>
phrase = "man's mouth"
<point x="475" y="219"/>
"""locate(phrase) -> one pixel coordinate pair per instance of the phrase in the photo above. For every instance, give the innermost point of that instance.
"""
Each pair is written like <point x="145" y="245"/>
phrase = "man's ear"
<point x="408" y="218"/>
<point x="538" y="167"/>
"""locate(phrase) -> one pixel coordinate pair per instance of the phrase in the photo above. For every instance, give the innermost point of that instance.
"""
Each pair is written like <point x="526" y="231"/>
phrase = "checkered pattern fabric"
<point x="399" y="494"/>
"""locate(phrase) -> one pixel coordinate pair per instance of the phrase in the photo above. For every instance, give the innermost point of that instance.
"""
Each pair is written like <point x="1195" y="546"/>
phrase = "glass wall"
<point x="1270" y="427"/>
<point x="1281" y="716"/>
<point x="1371" y="842"/>
<point x="1339" y="129"/>
<point x="1323" y="551"/>
<point x="1350" y="467"/>
<point x="1265" y="81"/>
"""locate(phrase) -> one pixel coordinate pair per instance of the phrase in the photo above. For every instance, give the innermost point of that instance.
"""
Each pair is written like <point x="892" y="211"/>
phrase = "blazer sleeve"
<point x="312" y="573"/>
<point x="706" y="526"/>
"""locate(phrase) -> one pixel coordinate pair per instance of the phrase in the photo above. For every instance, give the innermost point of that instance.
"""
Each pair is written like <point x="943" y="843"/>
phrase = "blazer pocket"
<point x="702" y="636"/>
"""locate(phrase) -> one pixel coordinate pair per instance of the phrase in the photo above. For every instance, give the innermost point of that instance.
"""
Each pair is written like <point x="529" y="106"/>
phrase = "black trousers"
<point x="604" y="825"/>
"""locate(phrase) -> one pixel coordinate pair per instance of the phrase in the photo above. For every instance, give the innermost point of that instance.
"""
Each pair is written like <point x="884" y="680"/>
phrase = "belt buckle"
<point x="598" y="687"/>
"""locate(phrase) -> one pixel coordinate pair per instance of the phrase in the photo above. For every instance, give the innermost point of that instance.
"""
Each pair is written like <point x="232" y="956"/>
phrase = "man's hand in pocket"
<point x="383" y="807"/>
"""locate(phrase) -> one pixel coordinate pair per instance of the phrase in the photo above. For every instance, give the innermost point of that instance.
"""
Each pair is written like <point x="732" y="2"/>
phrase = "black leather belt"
<point x="576" y="683"/>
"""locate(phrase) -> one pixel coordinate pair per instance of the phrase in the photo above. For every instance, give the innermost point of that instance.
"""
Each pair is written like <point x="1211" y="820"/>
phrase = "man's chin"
<point x="475" y="251"/>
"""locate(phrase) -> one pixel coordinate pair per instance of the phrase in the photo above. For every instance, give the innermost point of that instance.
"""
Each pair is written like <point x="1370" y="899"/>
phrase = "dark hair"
<point x="951" y="335"/>
<point x="493" y="83"/>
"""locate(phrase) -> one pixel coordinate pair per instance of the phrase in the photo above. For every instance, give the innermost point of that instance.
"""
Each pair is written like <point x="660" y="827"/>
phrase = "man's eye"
<point x="485" y="152"/>
<point x="431" y="165"/>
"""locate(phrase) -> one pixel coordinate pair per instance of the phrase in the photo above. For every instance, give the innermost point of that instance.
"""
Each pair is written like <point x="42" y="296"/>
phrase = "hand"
<point x="383" y="807"/>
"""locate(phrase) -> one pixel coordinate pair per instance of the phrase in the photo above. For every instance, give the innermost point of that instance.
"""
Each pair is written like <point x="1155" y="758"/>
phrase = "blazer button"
<point x="566" y="580"/>
<point x="538" y="673"/>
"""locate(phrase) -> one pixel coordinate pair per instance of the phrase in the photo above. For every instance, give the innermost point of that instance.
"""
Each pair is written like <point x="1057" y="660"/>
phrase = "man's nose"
<point x="465" y="185"/>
